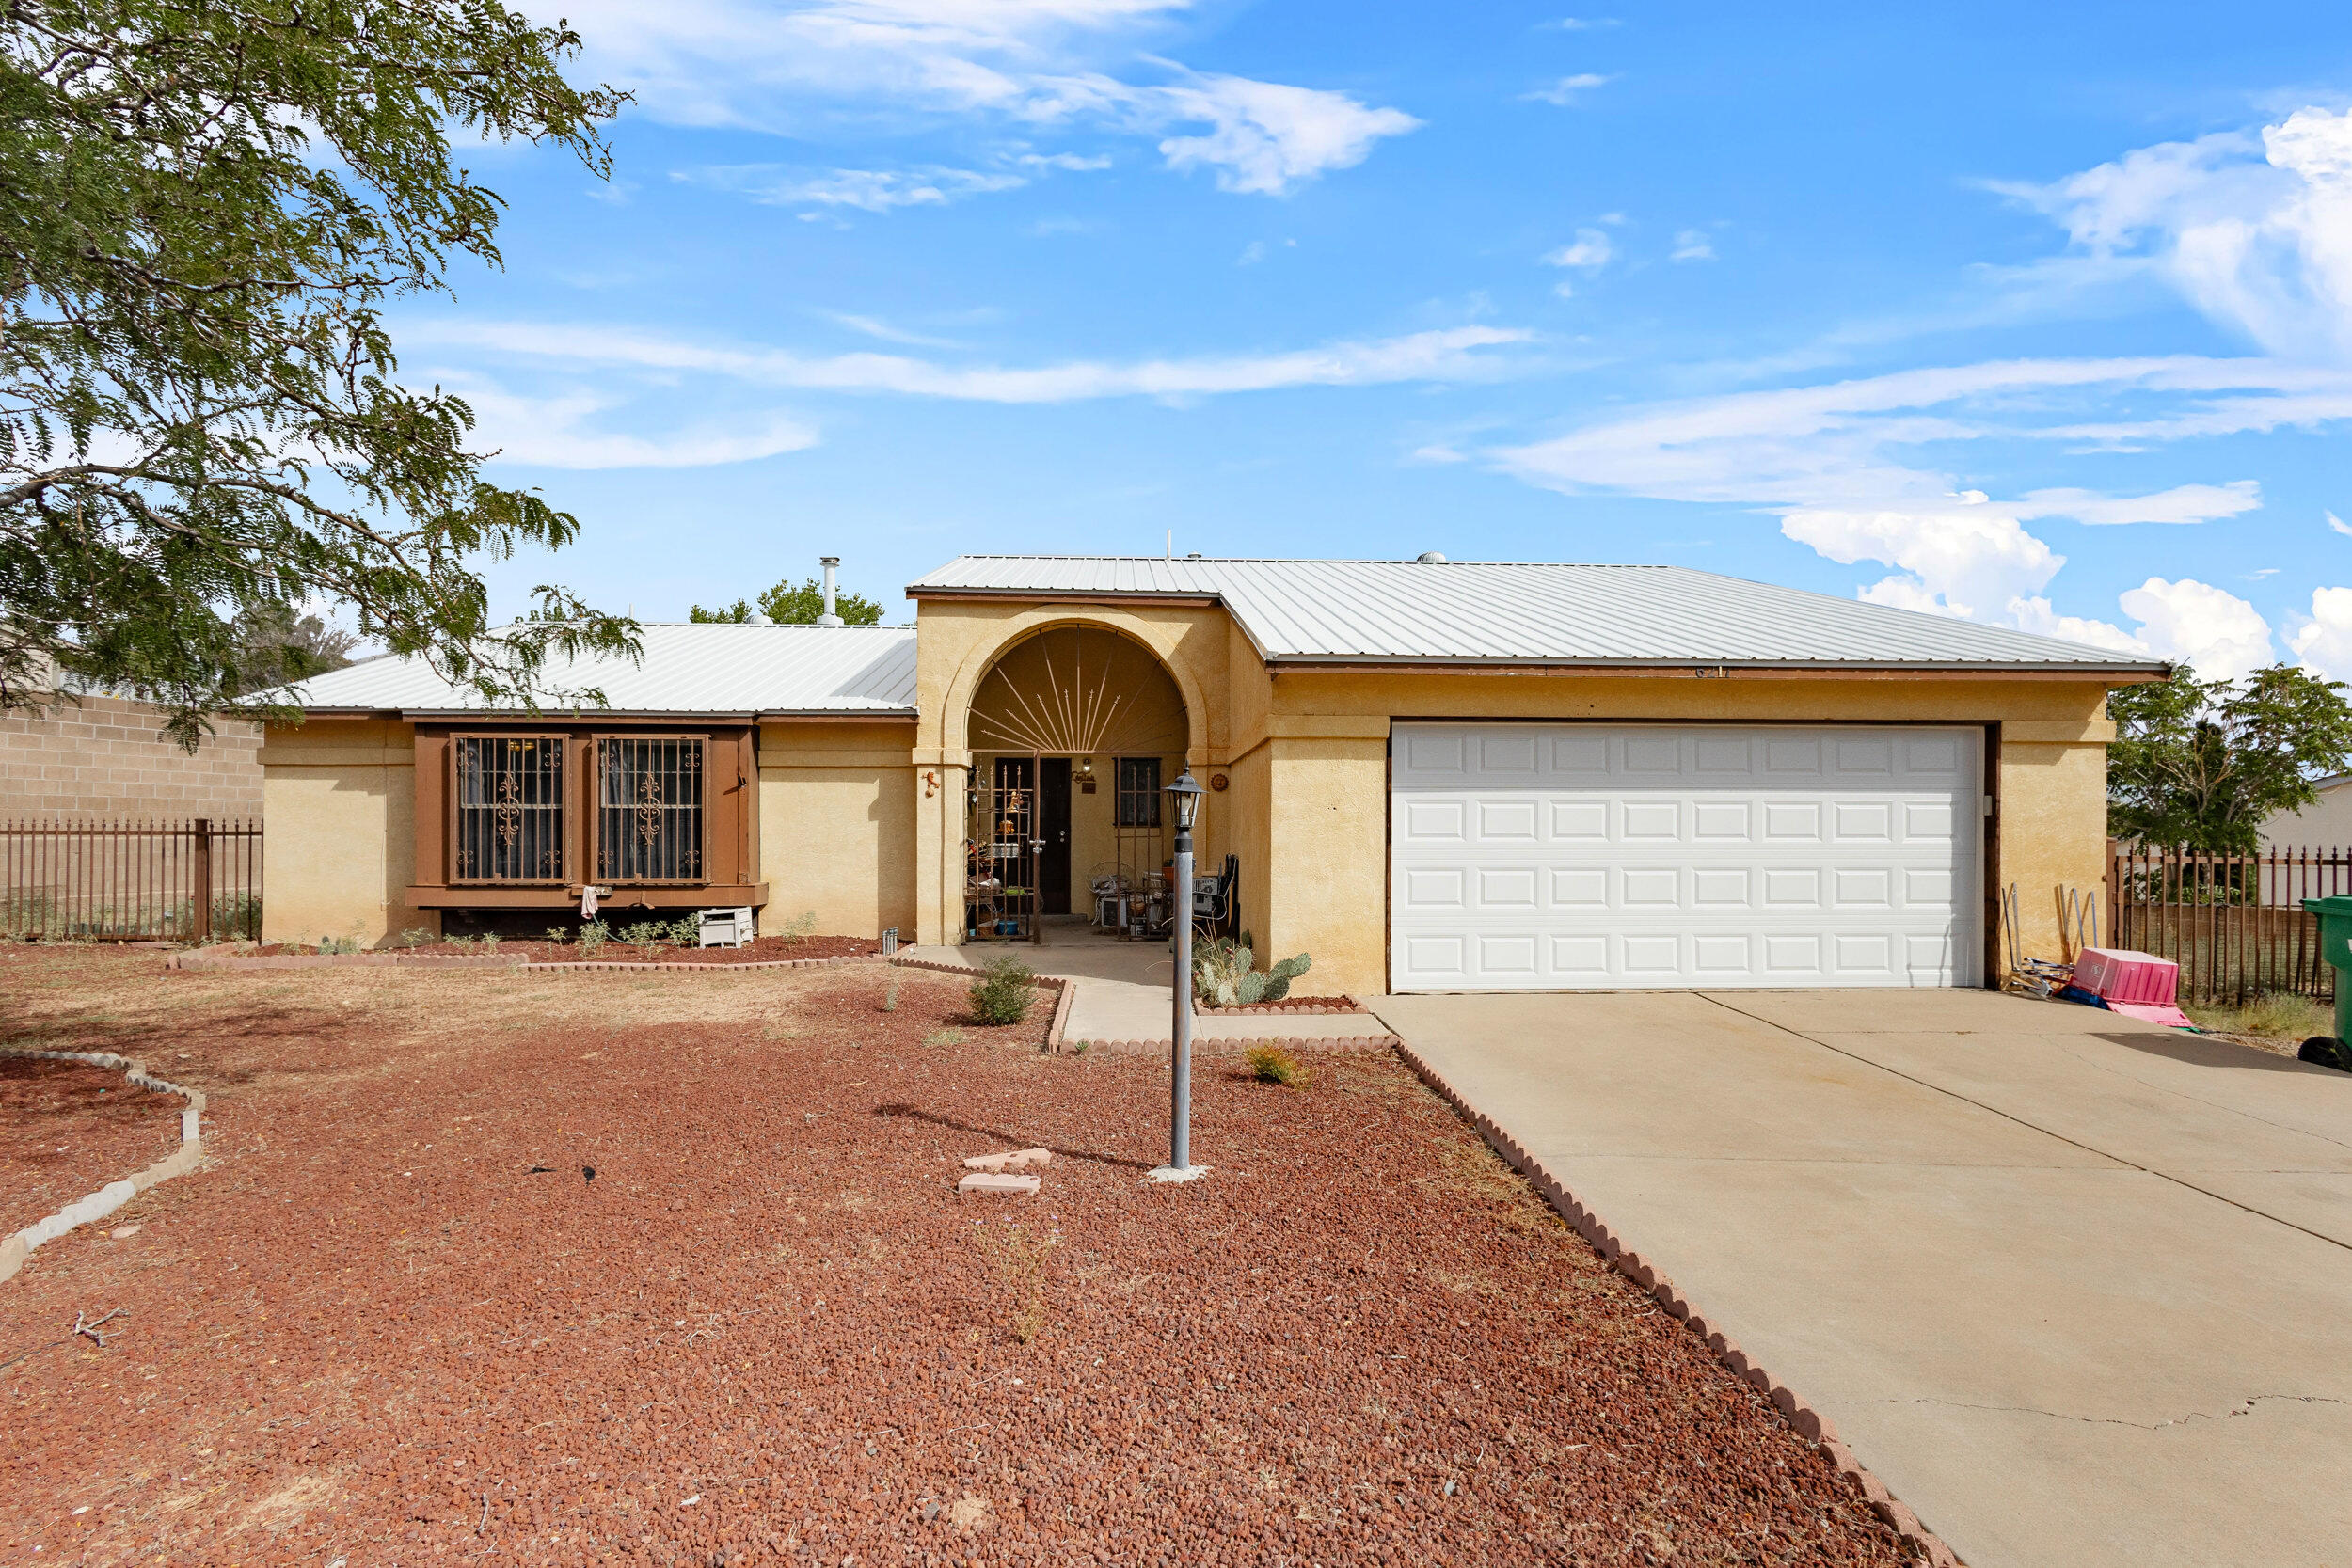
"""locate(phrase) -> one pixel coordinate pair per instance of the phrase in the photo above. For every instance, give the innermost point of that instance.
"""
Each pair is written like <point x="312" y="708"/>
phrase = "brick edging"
<point x="14" y="1249"/>
<point x="190" y="961"/>
<point x="1809" y="1423"/>
<point x="641" y="967"/>
<point x="1349" y="1044"/>
<point x="1271" y="1009"/>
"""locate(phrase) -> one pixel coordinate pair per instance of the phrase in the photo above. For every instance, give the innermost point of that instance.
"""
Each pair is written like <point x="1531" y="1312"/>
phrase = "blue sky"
<point x="2036" y="314"/>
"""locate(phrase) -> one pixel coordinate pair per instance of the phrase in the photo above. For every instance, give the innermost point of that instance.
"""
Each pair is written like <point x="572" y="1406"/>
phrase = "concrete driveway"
<point x="2078" y="1289"/>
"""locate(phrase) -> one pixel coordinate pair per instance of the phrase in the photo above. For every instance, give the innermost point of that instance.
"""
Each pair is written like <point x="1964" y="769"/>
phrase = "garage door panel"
<point x="1435" y="821"/>
<point x="1537" y="856"/>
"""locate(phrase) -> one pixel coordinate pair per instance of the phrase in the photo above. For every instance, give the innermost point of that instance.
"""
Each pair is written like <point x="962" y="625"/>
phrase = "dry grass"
<point x="2290" y="1020"/>
<point x="1271" y="1064"/>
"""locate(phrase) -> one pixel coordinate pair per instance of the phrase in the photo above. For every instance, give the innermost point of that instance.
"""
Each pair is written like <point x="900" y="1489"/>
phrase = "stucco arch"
<point x="1161" y="641"/>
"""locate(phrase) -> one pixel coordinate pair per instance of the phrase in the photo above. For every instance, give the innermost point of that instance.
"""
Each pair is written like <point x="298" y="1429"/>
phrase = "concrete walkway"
<point x="1124" y="990"/>
<point x="2078" y="1289"/>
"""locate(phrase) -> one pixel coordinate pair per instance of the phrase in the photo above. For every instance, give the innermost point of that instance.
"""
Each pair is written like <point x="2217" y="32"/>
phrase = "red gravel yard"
<point x="395" y="1321"/>
<point x="68" y="1129"/>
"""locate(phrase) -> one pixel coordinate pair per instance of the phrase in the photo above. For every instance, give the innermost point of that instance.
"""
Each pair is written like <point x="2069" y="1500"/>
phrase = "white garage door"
<point x="1546" y="856"/>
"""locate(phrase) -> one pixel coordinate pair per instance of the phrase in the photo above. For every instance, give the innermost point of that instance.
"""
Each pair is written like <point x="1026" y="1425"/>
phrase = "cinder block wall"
<point x="107" y="757"/>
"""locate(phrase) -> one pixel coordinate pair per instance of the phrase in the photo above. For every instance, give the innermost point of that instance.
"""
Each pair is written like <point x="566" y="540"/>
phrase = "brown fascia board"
<point x="2111" y="674"/>
<point x="1059" y="595"/>
<point x="577" y="716"/>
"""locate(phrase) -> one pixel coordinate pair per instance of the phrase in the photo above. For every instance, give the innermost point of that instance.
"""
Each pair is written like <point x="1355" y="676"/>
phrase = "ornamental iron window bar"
<point x="1138" y="792"/>
<point x="649" y="809"/>
<point x="509" y="808"/>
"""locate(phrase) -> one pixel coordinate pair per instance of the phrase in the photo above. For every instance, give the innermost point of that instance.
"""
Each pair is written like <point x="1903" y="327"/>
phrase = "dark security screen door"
<point x="1053" y="814"/>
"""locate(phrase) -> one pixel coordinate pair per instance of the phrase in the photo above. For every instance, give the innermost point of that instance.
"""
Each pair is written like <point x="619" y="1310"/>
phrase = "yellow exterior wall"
<point x="836" y="826"/>
<point x="340" y="831"/>
<point x="963" y="640"/>
<point x="1328" y="792"/>
<point x="862" y="824"/>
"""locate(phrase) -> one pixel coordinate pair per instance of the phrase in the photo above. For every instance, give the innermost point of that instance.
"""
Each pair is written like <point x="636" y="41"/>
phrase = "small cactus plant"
<point x="1224" y="974"/>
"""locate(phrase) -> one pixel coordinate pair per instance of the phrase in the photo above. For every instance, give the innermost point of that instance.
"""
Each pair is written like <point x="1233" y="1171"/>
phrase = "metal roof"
<point x="687" y="669"/>
<point x="1510" y="612"/>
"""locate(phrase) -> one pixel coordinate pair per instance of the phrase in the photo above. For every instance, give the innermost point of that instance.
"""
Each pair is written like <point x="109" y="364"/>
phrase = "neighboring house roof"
<point x="687" y="669"/>
<point x="1497" y="612"/>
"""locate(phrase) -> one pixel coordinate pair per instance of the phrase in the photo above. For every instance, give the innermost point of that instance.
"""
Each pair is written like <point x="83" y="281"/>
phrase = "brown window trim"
<point x="593" y="778"/>
<point x="562" y="742"/>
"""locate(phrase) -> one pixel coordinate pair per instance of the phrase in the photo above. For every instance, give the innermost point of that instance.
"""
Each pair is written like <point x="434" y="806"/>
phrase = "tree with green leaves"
<point x="204" y="207"/>
<point x="2201" y="764"/>
<point x="788" y="604"/>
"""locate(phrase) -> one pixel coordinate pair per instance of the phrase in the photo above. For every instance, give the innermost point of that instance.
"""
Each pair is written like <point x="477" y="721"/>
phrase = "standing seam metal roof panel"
<point x="709" y="667"/>
<point x="1505" y="612"/>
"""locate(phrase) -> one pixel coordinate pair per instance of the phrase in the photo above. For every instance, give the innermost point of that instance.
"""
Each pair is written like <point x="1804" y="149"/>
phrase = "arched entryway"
<point x="1075" y="731"/>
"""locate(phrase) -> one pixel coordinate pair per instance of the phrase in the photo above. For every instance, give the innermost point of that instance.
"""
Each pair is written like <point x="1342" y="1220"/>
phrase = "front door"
<point x="1053" y="822"/>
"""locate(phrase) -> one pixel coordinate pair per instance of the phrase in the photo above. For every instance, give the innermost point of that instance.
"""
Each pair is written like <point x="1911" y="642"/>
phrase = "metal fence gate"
<point x="198" y="881"/>
<point x="2233" y="923"/>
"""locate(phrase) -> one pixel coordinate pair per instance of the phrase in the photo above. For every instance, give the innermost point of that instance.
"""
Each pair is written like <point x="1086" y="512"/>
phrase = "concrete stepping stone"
<point x="1018" y="1159"/>
<point x="998" y="1183"/>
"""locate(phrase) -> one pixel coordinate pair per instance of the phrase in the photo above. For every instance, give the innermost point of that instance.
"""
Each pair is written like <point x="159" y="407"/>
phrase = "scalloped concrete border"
<point x="106" y="1199"/>
<point x="1057" y="1035"/>
<point x="1358" y="1045"/>
<point x="1810" y="1424"/>
<point x="1054" y="1029"/>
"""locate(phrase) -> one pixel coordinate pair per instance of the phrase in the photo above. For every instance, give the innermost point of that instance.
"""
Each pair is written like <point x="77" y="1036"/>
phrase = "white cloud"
<point x="2186" y="503"/>
<point x="1568" y="90"/>
<point x="1691" y="244"/>
<point x="1590" y="250"/>
<point x="2210" y="627"/>
<point x="1450" y="354"/>
<point x="869" y="190"/>
<point x="2035" y="615"/>
<point x="2255" y="230"/>
<point x="789" y="66"/>
<point x="1969" y="559"/>
<point x="1266" y="137"/>
<point x="874" y="326"/>
<point x="2338" y="525"/>
<point x="1839" y="464"/>
<point x="561" y="432"/>
<point x="2322" y="642"/>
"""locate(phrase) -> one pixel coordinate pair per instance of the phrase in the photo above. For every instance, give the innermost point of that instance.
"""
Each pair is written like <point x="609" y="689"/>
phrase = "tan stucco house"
<point x="1430" y="775"/>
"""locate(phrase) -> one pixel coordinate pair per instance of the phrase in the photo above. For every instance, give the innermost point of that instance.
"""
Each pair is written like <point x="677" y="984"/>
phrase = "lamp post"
<point x="1180" y="1167"/>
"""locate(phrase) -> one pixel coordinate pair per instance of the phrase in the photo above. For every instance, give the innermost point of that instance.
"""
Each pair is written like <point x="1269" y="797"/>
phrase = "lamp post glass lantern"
<point x="1180" y="1167"/>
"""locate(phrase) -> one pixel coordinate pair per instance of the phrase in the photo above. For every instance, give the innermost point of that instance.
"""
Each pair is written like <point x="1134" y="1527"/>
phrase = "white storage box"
<point x="728" y="928"/>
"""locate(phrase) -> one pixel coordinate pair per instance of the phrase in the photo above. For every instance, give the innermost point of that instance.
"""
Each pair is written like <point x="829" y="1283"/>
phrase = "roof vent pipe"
<point x="1430" y="556"/>
<point x="833" y="563"/>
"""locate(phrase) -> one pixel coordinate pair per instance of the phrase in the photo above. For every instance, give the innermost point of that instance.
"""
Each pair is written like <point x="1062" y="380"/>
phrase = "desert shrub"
<point x="890" y="994"/>
<point x="1271" y="1064"/>
<point x="463" y="944"/>
<point x="687" y="931"/>
<point x="559" y="935"/>
<point x="592" y="937"/>
<point x="489" y="942"/>
<point x="416" y="936"/>
<point x="1003" y="992"/>
<point x="1021" y="1262"/>
<point x="799" y="928"/>
<point x="943" y="1037"/>
<point x="645" y="935"/>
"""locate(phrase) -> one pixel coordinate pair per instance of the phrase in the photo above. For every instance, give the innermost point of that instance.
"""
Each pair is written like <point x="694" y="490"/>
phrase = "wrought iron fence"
<point x="2233" y="923"/>
<point x="198" y="881"/>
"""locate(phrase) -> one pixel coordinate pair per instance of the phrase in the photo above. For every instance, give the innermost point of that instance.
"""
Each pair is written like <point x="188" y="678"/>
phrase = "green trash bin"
<point x="2335" y="945"/>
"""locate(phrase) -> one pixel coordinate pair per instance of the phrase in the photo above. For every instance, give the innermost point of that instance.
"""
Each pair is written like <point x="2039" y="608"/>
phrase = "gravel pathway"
<point x="397" y="1321"/>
